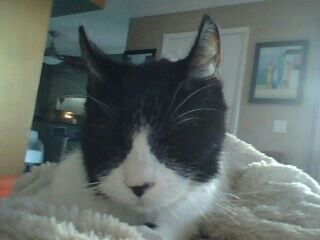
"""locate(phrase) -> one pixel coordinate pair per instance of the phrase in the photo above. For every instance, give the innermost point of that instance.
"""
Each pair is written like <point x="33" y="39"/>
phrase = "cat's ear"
<point x="90" y="54"/>
<point x="205" y="54"/>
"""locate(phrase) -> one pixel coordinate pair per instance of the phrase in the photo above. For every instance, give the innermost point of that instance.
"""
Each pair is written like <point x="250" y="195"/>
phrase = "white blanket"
<point x="268" y="201"/>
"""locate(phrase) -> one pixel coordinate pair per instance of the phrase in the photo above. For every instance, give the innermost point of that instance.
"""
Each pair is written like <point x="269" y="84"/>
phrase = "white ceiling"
<point x="112" y="23"/>
<point x="139" y="8"/>
<point x="108" y="28"/>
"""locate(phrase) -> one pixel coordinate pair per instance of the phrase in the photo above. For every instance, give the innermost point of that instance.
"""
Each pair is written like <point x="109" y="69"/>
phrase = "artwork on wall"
<point x="279" y="72"/>
<point x="139" y="56"/>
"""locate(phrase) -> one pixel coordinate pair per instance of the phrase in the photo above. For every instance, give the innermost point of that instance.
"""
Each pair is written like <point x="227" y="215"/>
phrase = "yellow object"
<point x="23" y="30"/>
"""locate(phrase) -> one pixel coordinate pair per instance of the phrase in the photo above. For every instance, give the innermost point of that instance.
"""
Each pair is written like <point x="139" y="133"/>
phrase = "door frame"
<point x="315" y="152"/>
<point x="245" y="31"/>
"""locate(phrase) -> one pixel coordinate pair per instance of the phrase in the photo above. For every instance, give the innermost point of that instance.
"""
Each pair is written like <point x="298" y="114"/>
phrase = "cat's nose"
<point x="140" y="190"/>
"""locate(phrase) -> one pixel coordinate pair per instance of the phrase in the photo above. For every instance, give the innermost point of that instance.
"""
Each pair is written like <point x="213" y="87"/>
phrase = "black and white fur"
<point x="152" y="136"/>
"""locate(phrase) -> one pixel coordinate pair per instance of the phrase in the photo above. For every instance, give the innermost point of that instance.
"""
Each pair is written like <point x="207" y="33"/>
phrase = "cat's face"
<point x="153" y="132"/>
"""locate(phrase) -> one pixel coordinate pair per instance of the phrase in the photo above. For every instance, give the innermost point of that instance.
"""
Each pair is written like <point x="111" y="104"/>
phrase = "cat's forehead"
<point x="157" y="74"/>
<point x="154" y="68"/>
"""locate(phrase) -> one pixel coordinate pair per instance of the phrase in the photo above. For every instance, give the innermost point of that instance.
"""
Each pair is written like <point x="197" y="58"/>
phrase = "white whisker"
<point x="90" y="189"/>
<point x="198" y="110"/>
<point x="187" y="119"/>
<point x="176" y="93"/>
<point x="190" y="96"/>
<point x="107" y="109"/>
<point x="103" y="105"/>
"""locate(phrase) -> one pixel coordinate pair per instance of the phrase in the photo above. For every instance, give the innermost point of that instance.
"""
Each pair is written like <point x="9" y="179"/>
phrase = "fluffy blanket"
<point x="268" y="201"/>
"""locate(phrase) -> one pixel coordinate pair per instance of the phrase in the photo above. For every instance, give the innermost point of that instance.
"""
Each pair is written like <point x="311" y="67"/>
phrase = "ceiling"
<point x="113" y="21"/>
<point x="140" y="8"/>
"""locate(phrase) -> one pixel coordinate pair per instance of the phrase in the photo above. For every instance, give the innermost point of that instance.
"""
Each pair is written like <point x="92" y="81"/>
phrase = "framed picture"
<point x="139" y="56"/>
<point x="279" y="72"/>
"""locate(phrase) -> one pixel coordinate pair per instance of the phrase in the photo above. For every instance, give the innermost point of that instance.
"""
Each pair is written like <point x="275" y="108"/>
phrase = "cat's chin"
<point x="141" y="206"/>
<point x="168" y="204"/>
<point x="146" y="206"/>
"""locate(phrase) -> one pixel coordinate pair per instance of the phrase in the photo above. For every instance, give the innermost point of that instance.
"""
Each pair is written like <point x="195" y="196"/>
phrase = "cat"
<point x="151" y="138"/>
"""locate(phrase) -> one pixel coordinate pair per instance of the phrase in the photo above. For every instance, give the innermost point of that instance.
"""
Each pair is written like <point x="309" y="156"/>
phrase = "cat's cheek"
<point x="114" y="188"/>
<point x="170" y="188"/>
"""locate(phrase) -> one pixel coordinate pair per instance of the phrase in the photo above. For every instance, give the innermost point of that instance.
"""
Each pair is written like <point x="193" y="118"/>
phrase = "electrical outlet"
<point x="280" y="126"/>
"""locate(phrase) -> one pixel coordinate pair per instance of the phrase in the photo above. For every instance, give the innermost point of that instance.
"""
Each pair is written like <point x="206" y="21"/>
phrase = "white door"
<point x="234" y="48"/>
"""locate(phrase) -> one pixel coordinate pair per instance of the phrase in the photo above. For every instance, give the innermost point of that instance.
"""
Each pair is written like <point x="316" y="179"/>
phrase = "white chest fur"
<point x="173" y="204"/>
<point x="174" y="221"/>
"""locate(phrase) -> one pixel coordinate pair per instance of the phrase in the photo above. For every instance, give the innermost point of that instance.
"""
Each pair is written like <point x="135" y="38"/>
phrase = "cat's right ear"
<point x="89" y="55"/>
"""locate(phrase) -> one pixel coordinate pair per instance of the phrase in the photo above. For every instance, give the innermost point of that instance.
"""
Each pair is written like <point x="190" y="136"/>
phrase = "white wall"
<point x="108" y="28"/>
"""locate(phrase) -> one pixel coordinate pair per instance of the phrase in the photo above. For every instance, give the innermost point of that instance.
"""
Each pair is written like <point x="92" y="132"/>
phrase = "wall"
<point x="108" y="28"/>
<point x="273" y="20"/>
<point x="157" y="7"/>
<point x="23" y="31"/>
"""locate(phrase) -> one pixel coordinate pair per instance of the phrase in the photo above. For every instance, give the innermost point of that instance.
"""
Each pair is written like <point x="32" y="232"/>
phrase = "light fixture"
<point x="68" y="115"/>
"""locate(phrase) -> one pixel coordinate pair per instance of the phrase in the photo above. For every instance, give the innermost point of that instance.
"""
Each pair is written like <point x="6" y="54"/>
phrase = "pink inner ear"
<point x="89" y="51"/>
<point x="205" y="54"/>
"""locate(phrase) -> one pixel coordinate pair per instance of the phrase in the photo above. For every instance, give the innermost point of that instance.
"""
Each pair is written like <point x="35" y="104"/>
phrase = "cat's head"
<point x="153" y="132"/>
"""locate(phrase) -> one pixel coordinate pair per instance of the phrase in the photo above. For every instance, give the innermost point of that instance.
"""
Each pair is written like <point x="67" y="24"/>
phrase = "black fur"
<point x="123" y="98"/>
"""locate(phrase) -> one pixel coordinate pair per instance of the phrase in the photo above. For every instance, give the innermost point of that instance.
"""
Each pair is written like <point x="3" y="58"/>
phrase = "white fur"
<point x="168" y="199"/>
<point x="173" y="203"/>
<point x="140" y="167"/>
<point x="271" y="201"/>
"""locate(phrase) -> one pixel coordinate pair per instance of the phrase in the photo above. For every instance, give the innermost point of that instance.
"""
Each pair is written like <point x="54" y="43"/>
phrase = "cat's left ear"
<point x="205" y="55"/>
<point x="90" y="54"/>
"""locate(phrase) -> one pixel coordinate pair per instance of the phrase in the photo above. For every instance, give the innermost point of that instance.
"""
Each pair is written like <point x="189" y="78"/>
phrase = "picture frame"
<point x="279" y="72"/>
<point x="140" y="56"/>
